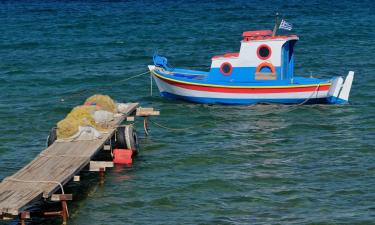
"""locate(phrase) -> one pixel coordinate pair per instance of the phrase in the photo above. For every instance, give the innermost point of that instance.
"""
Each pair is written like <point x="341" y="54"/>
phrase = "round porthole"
<point x="226" y="68"/>
<point x="264" y="52"/>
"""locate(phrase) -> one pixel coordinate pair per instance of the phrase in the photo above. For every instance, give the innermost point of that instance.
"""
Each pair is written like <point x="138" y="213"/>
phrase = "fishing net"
<point x="86" y="115"/>
<point x="67" y="128"/>
<point x="104" y="102"/>
<point x="83" y="111"/>
<point x="79" y="116"/>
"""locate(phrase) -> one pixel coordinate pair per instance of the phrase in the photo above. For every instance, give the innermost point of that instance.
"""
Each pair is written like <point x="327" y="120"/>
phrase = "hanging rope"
<point x="312" y="94"/>
<point x="305" y="101"/>
<point x="295" y="106"/>
<point x="83" y="92"/>
<point x="177" y="129"/>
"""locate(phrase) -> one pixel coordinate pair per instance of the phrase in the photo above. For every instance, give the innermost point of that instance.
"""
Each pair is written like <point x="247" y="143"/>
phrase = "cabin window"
<point x="226" y="68"/>
<point x="264" y="52"/>
<point x="265" y="71"/>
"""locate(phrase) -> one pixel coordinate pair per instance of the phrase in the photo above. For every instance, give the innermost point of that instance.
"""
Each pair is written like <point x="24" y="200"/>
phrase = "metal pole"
<point x="64" y="212"/>
<point x="275" y="27"/>
<point x="145" y="125"/>
<point x="150" y="84"/>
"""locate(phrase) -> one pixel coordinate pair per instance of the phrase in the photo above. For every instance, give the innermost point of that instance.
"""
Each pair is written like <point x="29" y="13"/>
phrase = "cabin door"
<point x="285" y="61"/>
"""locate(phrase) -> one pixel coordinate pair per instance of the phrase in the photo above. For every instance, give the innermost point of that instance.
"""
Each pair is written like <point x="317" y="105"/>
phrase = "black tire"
<point x="52" y="136"/>
<point x="126" y="138"/>
<point x="131" y="139"/>
<point x="120" y="138"/>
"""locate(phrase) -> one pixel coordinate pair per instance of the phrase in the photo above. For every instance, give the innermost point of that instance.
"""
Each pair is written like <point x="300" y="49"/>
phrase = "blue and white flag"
<point x="285" y="25"/>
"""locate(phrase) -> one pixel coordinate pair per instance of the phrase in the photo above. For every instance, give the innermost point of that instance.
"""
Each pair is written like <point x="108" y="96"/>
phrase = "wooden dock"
<point x="50" y="170"/>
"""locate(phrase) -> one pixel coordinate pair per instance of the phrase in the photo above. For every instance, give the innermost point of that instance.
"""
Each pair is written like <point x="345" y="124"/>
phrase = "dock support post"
<point x="24" y="215"/>
<point x="145" y="124"/>
<point x="101" y="175"/>
<point x="64" y="213"/>
<point x="100" y="166"/>
<point x="145" y="112"/>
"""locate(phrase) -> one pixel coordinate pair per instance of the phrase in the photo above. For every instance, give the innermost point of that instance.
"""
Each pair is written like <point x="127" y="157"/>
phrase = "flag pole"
<point x="276" y="22"/>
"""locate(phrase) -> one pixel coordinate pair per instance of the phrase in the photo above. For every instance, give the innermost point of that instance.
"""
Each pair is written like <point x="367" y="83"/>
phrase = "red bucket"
<point x="122" y="156"/>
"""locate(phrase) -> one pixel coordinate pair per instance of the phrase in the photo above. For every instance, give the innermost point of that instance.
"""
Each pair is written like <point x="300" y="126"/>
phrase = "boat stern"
<point x="340" y="89"/>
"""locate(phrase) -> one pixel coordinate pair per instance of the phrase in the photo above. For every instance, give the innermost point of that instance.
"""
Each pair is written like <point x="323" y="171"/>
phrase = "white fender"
<point x="345" y="91"/>
<point x="335" y="88"/>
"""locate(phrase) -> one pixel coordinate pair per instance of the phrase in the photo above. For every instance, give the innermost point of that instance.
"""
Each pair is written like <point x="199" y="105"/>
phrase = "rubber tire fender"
<point x="126" y="138"/>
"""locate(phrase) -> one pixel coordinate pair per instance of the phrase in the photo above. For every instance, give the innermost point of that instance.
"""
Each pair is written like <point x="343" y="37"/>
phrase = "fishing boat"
<point x="261" y="72"/>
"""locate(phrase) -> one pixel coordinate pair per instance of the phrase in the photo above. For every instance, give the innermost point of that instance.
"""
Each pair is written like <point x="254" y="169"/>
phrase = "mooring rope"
<point x="204" y="124"/>
<point x="305" y="101"/>
<point x="177" y="129"/>
<point x="82" y="92"/>
<point x="312" y="94"/>
<point x="36" y="181"/>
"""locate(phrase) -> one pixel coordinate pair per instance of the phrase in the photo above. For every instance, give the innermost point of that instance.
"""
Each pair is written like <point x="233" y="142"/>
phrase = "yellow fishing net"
<point x="67" y="128"/>
<point x="104" y="102"/>
<point x="82" y="116"/>
<point x="83" y="111"/>
<point x="79" y="116"/>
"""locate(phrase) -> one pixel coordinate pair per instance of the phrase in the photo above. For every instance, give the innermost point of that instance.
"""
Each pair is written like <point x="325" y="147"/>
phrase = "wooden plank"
<point x="147" y="112"/>
<point x="76" y="178"/>
<point x="55" y="165"/>
<point x="131" y="109"/>
<point x="130" y="118"/>
<point x="61" y="197"/>
<point x="97" y="165"/>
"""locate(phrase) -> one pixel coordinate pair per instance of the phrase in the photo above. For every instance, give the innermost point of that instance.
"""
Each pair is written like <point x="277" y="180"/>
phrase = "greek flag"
<point x="285" y="25"/>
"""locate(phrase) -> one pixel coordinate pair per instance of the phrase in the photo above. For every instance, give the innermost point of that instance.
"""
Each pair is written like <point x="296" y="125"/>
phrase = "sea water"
<point x="261" y="164"/>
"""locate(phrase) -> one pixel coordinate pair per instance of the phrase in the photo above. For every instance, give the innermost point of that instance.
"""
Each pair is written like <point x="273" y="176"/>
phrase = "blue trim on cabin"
<point x="240" y="74"/>
<point x="198" y="72"/>
<point x="287" y="60"/>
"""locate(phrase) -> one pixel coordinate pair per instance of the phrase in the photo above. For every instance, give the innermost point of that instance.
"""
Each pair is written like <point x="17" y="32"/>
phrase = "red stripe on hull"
<point x="247" y="90"/>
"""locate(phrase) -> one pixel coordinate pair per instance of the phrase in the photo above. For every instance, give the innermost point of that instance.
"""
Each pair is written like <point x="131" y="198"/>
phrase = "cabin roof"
<point x="226" y="55"/>
<point x="257" y="35"/>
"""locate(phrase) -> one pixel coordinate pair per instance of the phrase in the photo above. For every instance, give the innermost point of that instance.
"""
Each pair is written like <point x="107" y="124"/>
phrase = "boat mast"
<point x="276" y="24"/>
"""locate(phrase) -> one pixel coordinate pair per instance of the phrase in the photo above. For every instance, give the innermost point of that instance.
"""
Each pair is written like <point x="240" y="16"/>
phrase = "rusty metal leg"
<point x="64" y="212"/>
<point x="145" y="125"/>
<point x="23" y="217"/>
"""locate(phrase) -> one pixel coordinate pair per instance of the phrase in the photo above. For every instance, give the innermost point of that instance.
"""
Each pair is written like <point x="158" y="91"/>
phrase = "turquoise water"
<point x="262" y="164"/>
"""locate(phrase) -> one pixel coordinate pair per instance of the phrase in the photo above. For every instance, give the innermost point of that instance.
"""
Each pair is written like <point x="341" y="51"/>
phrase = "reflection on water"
<point x="120" y="172"/>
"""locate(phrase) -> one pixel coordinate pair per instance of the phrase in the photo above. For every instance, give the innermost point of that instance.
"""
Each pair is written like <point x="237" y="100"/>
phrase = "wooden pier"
<point x="53" y="168"/>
